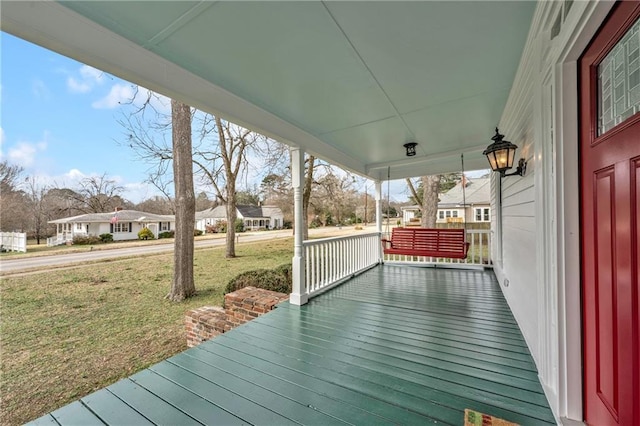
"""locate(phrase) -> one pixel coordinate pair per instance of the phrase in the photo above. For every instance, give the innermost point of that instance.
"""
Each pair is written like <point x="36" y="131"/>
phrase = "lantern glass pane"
<point x="502" y="159"/>
<point x="492" y="161"/>
<point x="512" y="154"/>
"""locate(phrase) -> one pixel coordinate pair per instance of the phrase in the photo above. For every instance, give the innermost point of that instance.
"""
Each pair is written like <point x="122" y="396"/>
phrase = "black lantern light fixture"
<point x="501" y="154"/>
<point x="411" y="148"/>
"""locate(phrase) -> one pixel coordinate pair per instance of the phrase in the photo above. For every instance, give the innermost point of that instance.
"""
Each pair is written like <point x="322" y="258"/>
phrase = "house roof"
<point x="214" y="213"/>
<point x="477" y="191"/>
<point x="122" y="215"/>
<point x="252" y="212"/>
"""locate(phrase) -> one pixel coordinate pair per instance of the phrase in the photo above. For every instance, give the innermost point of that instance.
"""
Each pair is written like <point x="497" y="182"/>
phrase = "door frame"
<point x="584" y="23"/>
<point x="619" y="20"/>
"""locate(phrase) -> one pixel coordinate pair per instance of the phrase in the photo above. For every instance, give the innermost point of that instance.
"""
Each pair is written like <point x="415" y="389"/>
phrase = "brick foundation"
<point x="240" y="306"/>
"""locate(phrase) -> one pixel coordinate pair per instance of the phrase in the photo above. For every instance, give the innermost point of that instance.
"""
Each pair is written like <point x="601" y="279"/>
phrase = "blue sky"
<point x="59" y="119"/>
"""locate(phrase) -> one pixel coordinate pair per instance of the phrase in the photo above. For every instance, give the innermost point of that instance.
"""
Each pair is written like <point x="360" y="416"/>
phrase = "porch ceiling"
<point x="348" y="81"/>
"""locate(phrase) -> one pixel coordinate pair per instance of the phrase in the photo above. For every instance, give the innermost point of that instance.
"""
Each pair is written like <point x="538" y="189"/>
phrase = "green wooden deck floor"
<point x="395" y="345"/>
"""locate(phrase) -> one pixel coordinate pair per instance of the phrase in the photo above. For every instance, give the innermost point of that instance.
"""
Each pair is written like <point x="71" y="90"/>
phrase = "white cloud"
<point x="74" y="175"/>
<point x="119" y="93"/>
<point x="2" y="136"/>
<point x="78" y="86"/>
<point x="87" y="78"/>
<point x="24" y="153"/>
<point x="137" y="192"/>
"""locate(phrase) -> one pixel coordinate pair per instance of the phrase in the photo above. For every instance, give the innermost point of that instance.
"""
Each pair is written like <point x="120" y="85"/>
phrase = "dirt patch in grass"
<point x="67" y="333"/>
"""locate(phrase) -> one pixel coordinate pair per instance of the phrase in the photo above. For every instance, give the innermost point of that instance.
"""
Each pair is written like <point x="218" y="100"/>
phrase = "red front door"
<point x="610" y="212"/>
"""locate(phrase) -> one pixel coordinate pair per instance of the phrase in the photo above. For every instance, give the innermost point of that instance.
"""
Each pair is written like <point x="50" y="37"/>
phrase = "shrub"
<point x="167" y="234"/>
<point x="86" y="240"/>
<point x="211" y="229"/>
<point x="278" y="279"/>
<point x="197" y="232"/>
<point x="286" y="270"/>
<point x="146" y="234"/>
<point x="221" y="227"/>
<point x="239" y="225"/>
<point x="106" y="238"/>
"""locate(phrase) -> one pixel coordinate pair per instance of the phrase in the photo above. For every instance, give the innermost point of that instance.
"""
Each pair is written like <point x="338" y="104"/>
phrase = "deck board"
<point x="395" y="345"/>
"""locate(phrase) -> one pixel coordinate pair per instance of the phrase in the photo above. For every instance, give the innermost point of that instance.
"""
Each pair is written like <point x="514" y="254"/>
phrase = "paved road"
<point x="15" y="264"/>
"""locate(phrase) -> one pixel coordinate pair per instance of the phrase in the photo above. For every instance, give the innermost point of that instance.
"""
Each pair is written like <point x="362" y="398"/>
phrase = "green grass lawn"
<point x="69" y="332"/>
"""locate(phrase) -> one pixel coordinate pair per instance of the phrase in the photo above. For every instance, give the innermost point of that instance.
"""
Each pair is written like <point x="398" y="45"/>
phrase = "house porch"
<point x="396" y="344"/>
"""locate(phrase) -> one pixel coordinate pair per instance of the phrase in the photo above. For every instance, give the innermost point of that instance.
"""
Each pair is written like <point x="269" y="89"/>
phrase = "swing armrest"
<point x="386" y="242"/>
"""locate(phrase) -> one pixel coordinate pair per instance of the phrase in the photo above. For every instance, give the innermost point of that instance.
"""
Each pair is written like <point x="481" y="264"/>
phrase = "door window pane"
<point x="619" y="81"/>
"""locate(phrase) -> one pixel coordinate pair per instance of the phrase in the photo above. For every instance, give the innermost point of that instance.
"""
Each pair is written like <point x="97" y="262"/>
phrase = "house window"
<point x="78" y="227"/>
<point x="447" y="213"/>
<point x="121" y="227"/>
<point x="482" y="214"/>
<point x="164" y="226"/>
<point x="619" y="81"/>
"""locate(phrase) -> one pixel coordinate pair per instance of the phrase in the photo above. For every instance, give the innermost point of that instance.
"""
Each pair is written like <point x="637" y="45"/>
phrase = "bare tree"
<point x="183" y="285"/>
<point x="427" y="200"/>
<point x="157" y="205"/>
<point x="203" y="202"/>
<point x="222" y="167"/>
<point x="220" y="155"/>
<point x="13" y="200"/>
<point x="430" y="186"/>
<point x="38" y="209"/>
<point x="97" y="194"/>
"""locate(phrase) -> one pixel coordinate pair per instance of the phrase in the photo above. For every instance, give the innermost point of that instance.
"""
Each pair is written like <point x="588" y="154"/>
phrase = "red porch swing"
<point x="429" y="242"/>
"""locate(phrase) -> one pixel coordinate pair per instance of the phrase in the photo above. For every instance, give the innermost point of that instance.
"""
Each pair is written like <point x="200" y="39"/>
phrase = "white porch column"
<point x="379" y="206"/>
<point x="299" y="294"/>
<point x="378" y="186"/>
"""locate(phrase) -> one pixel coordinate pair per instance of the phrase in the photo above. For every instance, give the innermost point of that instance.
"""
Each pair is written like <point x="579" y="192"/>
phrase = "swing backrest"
<point x="447" y="243"/>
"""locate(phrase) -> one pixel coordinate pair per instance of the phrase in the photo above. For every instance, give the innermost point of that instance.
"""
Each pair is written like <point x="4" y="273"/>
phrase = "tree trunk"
<point x="232" y="215"/>
<point x="430" y="186"/>
<point x="183" y="285"/>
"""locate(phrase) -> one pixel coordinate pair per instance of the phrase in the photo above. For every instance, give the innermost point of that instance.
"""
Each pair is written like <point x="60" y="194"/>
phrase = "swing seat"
<point x="446" y="243"/>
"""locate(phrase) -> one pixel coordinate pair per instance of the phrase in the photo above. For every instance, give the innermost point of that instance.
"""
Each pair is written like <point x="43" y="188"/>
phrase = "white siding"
<point x="535" y="246"/>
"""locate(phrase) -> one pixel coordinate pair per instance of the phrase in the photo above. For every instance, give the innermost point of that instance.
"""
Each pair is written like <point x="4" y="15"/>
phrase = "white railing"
<point x="55" y="241"/>
<point x="479" y="253"/>
<point x="329" y="261"/>
<point x="62" y="238"/>
<point x="13" y="241"/>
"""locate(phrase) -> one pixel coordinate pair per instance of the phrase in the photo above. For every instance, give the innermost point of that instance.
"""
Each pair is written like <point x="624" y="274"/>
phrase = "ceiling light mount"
<point x="411" y="148"/>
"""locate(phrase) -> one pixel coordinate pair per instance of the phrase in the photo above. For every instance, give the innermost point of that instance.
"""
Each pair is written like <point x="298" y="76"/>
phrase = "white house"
<point x="474" y="206"/>
<point x="254" y="217"/>
<point x="122" y="224"/>
<point x="353" y="83"/>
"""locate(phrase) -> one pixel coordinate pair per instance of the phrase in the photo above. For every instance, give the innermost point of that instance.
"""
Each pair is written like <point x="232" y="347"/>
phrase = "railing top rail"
<point x="346" y="237"/>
